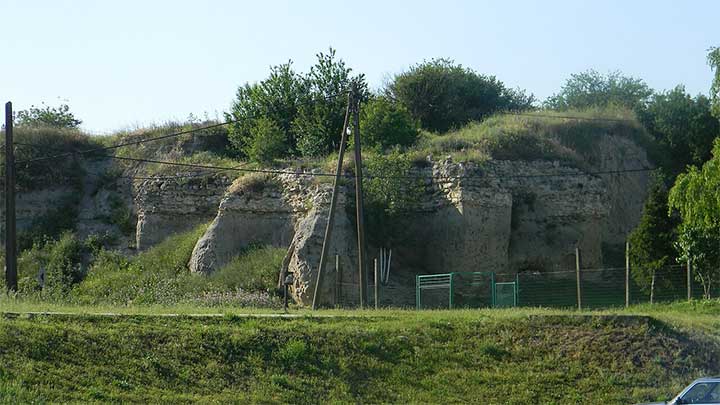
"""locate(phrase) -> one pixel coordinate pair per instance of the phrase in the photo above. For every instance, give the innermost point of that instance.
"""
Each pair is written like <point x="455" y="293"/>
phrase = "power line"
<point x="158" y="138"/>
<point x="324" y="174"/>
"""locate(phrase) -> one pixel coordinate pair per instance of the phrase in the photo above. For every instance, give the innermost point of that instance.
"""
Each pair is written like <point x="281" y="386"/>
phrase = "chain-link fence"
<point x="583" y="289"/>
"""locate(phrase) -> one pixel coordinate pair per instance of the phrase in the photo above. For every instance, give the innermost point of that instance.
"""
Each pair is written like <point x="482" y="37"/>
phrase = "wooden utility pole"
<point x="333" y="202"/>
<point x="10" y="248"/>
<point x="359" y="200"/>
<point x="689" y="280"/>
<point x="377" y="285"/>
<point x="627" y="274"/>
<point x="577" y="277"/>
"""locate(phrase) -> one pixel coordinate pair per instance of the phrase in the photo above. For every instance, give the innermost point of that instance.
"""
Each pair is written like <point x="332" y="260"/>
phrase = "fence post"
<point x="627" y="274"/>
<point x="451" y="290"/>
<point x="417" y="291"/>
<point x="338" y="281"/>
<point x="377" y="282"/>
<point x="577" y="278"/>
<point x="689" y="280"/>
<point x="492" y="287"/>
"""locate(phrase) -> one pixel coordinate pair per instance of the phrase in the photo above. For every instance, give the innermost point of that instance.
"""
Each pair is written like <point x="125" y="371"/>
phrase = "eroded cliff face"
<point x="499" y="216"/>
<point x="168" y="206"/>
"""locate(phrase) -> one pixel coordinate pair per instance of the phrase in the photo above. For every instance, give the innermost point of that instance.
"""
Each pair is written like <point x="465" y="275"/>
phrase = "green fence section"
<point x="456" y="290"/>
<point x="599" y="288"/>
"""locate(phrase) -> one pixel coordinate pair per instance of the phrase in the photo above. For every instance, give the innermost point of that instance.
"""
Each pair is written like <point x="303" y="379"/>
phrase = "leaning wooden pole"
<point x="10" y="247"/>
<point x="359" y="202"/>
<point x="333" y="203"/>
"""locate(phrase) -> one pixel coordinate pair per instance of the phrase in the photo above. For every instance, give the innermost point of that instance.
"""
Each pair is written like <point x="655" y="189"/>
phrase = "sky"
<point x="126" y="64"/>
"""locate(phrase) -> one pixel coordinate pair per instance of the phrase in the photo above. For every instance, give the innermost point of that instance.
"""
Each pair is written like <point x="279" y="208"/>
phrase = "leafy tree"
<point x="714" y="62"/>
<point x="443" y="95"/>
<point x="389" y="188"/>
<point x="308" y="109"/>
<point x="47" y="116"/>
<point x="651" y="242"/>
<point x="696" y="195"/>
<point x="593" y="89"/>
<point x="385" y="124"/>
<point x="319" y="121"/>
<point x="276" y="98"/>
<point x="683" y="127"/>
<point x="266" y="141"/>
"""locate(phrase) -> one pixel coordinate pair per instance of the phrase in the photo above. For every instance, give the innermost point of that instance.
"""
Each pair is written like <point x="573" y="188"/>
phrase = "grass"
<point x="568" y="136"/>
<point x="487" y="356"/>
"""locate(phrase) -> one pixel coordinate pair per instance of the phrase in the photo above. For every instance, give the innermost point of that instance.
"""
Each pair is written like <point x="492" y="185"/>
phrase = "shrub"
<point x="46" y="116"/>
<point x="384" y="124"/>
<point x="592" y="89"/>
<point x="443" y="95"/>
<point x="266" y="142"/>
<point x="62" y="261"/>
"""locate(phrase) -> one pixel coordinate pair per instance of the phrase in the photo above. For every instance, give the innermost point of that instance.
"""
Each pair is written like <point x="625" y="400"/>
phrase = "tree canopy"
<point x="306" y="109"/>
<point x="714" y="62"/>
<point x="443" y="95"/>
<point x="593" y="89"/>
<point x="47" y="116"/>
<point x="682" y="126"/>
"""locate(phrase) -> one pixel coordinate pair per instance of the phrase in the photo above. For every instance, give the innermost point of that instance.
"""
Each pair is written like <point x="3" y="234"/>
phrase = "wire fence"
<point x="583" y="289"/>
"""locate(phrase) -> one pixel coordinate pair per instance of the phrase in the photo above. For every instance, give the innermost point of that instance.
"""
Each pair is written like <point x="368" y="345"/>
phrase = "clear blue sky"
<point x="120" y="64"/>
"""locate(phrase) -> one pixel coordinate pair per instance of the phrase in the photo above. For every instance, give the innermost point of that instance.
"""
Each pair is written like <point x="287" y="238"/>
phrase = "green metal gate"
<point x="506" y="294"/>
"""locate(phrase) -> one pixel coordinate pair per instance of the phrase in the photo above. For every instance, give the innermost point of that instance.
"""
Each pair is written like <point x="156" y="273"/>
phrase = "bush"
<point x="53" y="117"/>
<point x="307" y="110"/>
<point x="443" y="95"/>
<point x="384" y="124"/>
<point x="266" y="142"/>
<point x="62" y="261"/>
<point x="592" y="89"/>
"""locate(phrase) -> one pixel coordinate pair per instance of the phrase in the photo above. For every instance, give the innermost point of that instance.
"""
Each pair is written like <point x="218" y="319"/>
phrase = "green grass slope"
<point x="437" y="357"/>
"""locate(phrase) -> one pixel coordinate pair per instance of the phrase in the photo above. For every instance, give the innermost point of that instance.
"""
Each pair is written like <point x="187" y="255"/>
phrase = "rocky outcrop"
<point x="497" y="216"/>
<point x="170" y="205"/>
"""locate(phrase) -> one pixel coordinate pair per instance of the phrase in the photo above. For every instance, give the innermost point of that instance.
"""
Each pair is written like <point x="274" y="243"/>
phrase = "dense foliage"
<point x="683" y="127"/>
<point x="651" y="242"/>
<point x="443" y="95"/>
<point x="384" y="124"/>
<point x="696" y="195"/>
<point x="391" y="189"/>
<point x="47" y="116"/>
<point x="291" y="114"/>
<point x="591" y="89"/>
<point x="714" y="62"/>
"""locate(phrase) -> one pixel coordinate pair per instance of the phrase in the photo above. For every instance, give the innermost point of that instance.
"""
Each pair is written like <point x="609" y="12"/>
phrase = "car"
<point x="702" y="391"/>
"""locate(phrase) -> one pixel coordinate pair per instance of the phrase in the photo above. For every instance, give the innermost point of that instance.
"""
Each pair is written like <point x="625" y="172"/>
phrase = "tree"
<point x="592" y="89"/>
<point x="385" y="124"/>
<point x="307" y="109"/>
<point x="696" y="195"/>
<point x="683" y="127"/>
<point x="443" y="95"/>
<point x="651" y="242"/>
<point x="266" y="141"/>
<point x="276" y="99"/>
<point x="47" y="116"/>
<point x="390" y="189"/>
<point x="319" y="121"/>
<point x="714" y="62"/>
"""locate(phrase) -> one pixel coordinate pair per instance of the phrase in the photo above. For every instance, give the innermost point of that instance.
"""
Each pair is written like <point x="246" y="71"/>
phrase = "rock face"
<point x="500" y="216"/>
<point x="168" y="206"/>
